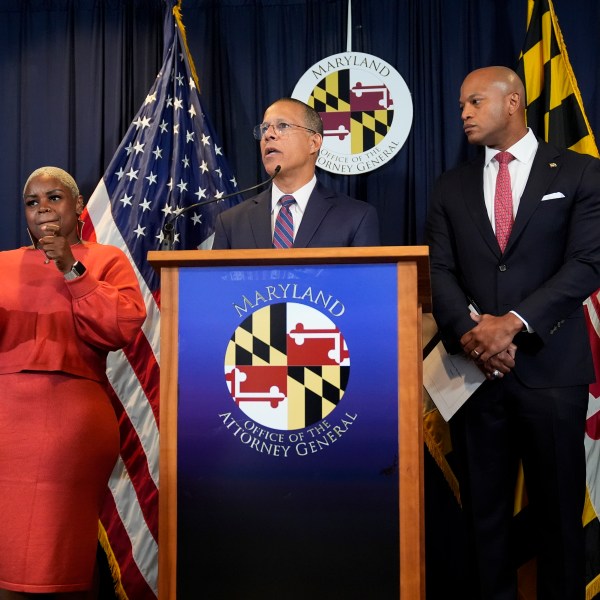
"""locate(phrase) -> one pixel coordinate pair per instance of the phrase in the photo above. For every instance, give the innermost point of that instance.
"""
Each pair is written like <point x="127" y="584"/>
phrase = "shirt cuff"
<point x="525" y="323"/>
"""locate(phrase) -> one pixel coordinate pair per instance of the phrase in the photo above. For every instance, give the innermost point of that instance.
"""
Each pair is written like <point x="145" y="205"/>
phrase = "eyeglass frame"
<point x="259" y="131"/>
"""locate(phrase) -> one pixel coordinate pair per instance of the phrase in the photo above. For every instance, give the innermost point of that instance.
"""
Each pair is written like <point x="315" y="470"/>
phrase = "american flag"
<point x="169" y="159"/>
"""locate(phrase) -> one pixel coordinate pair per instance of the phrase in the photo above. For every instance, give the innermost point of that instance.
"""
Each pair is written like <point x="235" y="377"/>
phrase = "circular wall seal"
<point x="366" y="108"/>
<point x="287" y="366"/>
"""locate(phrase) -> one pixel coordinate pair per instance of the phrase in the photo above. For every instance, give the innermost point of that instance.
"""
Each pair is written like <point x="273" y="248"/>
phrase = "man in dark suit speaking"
<point x="515" y="249"/>
<point x="296" y="211"/>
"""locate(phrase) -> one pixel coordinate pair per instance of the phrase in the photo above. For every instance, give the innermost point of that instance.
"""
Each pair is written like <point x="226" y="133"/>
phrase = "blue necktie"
<point x="283" y="233"/>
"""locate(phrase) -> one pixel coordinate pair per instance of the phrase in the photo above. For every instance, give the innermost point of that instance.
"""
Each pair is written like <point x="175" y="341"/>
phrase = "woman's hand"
<point x="56" y="247"/>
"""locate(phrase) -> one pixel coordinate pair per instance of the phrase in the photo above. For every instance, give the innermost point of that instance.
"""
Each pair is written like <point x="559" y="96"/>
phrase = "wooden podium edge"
<point x="169" y="375"/>
<point x="410" y="436"/>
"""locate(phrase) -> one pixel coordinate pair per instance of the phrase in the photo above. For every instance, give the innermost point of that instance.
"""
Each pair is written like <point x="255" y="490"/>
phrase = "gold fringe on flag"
<point x="179" y="21"/>
<point x="113" y="564"/>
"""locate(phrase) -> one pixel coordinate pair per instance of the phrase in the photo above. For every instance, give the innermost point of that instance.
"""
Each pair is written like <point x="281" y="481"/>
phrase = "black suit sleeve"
<point x="220" y="242"/>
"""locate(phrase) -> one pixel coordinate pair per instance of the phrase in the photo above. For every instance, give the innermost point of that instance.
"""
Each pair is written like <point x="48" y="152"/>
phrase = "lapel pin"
<point x="552" y="165"/>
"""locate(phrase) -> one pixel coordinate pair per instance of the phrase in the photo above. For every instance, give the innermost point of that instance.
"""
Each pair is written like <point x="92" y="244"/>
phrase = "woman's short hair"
<point x="57" y="173"/>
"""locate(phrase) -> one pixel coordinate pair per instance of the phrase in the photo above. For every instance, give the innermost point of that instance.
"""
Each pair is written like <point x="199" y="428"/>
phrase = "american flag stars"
<point x="168" y="159"/>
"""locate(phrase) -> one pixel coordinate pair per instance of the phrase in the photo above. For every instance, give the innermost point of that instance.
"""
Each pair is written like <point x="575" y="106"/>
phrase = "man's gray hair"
<point x="312" y="119"/>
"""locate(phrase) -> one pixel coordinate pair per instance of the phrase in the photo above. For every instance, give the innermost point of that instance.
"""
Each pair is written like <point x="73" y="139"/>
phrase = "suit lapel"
<point x="259" y="219"/>
<point x="317" y="207"/>
<point x="545" y="168"/>
<point x="472" y="183"/>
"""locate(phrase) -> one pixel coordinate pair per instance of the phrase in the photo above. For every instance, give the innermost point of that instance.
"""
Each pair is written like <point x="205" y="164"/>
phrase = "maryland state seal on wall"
<point x="366" y="109"/>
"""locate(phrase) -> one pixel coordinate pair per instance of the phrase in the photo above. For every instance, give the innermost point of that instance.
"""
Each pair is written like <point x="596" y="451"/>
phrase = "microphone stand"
<point x="169" y="227"/>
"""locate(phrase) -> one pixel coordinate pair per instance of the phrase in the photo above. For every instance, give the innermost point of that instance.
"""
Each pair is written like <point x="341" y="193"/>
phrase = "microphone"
<point x="169" y="228"/>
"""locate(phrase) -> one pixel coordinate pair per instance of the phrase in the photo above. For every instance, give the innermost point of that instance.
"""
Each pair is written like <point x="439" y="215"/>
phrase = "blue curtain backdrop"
<point x="74" y="72"/>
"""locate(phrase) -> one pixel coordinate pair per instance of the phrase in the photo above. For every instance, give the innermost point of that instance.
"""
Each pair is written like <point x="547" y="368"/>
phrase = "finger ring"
<point x="496" y="373"/>
<point x="476" y="353"/>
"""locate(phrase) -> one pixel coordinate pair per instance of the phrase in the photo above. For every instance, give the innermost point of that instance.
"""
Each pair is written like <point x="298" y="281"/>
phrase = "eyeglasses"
<point x="281" y="128"/>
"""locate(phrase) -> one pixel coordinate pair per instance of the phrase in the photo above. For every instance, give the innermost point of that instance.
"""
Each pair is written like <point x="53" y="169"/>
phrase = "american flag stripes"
<point x="169" y="158"/>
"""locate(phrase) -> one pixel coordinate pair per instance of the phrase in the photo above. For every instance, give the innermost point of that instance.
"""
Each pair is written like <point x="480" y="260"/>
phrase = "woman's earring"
<point x="33" y="240"/>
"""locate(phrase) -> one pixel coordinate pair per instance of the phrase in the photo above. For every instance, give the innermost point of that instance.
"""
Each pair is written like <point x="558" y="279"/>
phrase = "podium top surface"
<point x="302" y="256"/>
<point x="371" y="254"/>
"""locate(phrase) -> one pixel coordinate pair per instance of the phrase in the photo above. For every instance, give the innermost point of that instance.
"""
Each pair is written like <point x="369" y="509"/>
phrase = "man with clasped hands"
<point x="525" y="329"/>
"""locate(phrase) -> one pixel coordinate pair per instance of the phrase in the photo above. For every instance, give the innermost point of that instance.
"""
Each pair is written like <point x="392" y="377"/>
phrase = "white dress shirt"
<point x="301" y="196"/>
<point x="524" y="152"/>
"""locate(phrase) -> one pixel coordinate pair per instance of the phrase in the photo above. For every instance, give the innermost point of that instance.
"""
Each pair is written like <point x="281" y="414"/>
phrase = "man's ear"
<point x="514" y="102"/>
<point x="316" y="141"/>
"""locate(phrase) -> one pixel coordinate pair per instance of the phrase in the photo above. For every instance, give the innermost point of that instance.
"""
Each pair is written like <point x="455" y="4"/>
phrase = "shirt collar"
<point x="301" y="195"/>
<point x="524" y="150"/>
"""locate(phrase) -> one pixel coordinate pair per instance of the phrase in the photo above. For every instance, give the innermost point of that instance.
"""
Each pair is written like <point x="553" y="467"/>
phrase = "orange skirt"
<point x="59" y="441"/>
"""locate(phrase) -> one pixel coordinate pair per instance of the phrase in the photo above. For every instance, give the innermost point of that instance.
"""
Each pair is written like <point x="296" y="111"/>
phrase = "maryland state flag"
<point x="555" y="113"/>
<point x="554" y="106"/>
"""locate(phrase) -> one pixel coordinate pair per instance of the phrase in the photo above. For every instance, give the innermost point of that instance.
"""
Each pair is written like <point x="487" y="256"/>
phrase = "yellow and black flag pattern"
<point x="363" y="112"/>
<point x="285" y="368"/>
<point x="555" y="113"/>
<point x="554" y="106"/>
<point x="332" y="93"/>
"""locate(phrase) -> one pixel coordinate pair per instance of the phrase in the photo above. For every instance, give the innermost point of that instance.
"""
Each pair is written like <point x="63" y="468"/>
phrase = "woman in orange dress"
<point x="64" y="304"/>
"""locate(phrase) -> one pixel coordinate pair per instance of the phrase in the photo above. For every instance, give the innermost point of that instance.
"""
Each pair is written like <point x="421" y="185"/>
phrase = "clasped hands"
<point x="490" y="343"/>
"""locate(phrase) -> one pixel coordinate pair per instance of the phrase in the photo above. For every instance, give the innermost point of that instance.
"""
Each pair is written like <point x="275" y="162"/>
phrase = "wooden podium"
<point x="368" y="300"/>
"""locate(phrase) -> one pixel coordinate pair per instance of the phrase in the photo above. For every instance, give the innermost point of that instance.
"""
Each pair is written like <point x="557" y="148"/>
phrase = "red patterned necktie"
<point x="503" y="200"/>
<point x="283" y="233"/>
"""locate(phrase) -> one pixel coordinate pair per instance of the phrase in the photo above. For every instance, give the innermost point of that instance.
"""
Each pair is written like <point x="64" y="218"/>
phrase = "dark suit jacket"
<point x="330" y="220"/>
<point x="550" y="265"/>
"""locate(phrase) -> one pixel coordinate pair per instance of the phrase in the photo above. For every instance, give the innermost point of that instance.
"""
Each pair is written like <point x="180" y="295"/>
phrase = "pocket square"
<point x="553" y="196"/>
